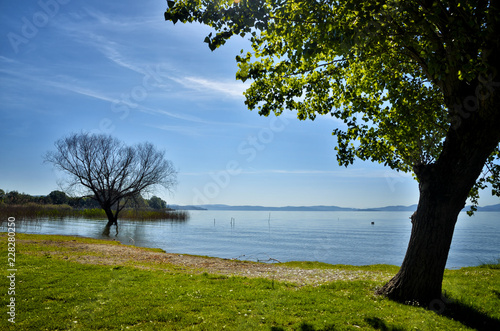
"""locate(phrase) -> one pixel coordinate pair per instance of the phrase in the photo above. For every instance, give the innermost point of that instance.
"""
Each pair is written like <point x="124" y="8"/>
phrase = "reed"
<point x="37" y="211"/>
<point x="34" y="210"/>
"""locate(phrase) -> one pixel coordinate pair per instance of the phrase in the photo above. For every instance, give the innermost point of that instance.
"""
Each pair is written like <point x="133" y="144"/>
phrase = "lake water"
<point x="331" y="237"/>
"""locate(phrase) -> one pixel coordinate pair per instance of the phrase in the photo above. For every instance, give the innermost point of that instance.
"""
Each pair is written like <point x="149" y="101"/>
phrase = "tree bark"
<point x="421" y="274"/>
<point x="112" y="218"/>
<point x="444" y="187"/>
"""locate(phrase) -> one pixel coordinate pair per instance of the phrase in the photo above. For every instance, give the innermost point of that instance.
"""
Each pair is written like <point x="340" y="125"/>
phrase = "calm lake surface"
<point x="331" y="237"/>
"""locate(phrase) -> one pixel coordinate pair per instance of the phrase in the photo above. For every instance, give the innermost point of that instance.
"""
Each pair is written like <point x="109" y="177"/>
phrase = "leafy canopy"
<point x="382" y="67"/>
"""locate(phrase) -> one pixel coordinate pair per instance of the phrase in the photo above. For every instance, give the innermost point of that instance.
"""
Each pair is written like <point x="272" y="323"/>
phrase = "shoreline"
<point x="86" y="250"/>
<point x="486" y="262"/>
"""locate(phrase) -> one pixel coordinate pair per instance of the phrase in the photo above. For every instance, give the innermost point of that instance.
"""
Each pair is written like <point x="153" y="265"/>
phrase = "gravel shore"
<point x="109" y="254"/>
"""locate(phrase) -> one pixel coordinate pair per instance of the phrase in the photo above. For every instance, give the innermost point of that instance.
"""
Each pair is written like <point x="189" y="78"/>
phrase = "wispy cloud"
<point x="119" y="22"/>
<point x="104" y="33"/>
<point x="80" y="90"/>
<point x="132" y="106"/>
<point x="179" y="129"/>
<point x="232" y="89"/>
<point x="350" y="173"/>
<point x="92" y="30"/>
<point x="46" y="80"/>
<point x="7" y="60"/>
<point x="114" y="52"/>
<point x="110" y="50"/>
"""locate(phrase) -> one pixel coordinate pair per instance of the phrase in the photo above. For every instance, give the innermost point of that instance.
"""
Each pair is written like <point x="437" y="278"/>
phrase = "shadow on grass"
<point x="306" y="327"/>
<point x="380" y="324"/>
<point x="374" y="322"/>
<point x="470" y="316"/>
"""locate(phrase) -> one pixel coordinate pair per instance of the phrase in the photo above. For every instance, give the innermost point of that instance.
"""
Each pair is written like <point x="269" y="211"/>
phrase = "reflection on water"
<point x="107" y="230"/>
<point x="331" y="237"/>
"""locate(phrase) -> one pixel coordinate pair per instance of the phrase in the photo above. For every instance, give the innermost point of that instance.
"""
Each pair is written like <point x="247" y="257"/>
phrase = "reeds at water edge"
<point x="37" y="211"/>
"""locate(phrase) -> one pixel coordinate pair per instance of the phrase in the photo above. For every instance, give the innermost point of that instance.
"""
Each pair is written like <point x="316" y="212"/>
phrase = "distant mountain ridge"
<point x="494" y="208"/>
<point x="190" y="207"/>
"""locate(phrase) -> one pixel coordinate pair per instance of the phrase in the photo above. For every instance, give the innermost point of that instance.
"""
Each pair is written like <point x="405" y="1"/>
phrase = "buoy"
<point x="373" y="223"/>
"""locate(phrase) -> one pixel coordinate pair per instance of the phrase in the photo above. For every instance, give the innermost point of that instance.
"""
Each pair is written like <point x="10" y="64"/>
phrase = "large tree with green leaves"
<point x="415" y="82"/>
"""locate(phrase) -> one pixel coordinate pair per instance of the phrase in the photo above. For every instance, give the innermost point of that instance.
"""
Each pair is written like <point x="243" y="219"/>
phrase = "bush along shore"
<point x="63" y="283"/>
<point x="37" y="211"/>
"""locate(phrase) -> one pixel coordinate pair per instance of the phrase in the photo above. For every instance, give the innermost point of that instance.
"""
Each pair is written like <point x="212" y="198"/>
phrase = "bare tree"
<point x="109" y="171"/>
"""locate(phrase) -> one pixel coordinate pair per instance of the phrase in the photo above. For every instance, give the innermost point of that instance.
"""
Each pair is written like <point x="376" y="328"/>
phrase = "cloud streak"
<point x="230" y="89"/>
<point x="351" y="173"/>
<point x="21" y="77"/>
<point x="347" y="173"/>
<point x="104" y="34"/>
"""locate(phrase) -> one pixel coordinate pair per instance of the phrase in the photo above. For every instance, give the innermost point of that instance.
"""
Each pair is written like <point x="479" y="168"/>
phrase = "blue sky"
<point x="119" y="68"/>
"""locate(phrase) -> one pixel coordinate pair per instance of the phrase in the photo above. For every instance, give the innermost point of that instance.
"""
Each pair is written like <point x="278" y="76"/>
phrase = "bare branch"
<point x="111" y="171"/>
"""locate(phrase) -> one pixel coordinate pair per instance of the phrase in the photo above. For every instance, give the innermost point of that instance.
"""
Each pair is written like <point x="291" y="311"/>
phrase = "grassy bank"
<point x="34" y="211"/>
<point x="55" y="293"/>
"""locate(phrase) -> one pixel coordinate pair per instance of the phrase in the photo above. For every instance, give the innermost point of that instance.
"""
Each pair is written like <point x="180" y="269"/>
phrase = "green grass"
<point x="56" y="294"/>
<point x="322" y="265"/>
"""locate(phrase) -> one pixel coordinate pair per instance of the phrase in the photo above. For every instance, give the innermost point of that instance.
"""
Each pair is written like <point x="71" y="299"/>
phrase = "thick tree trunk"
<point x="420" y="277"/>
<point x="444" y="188"/>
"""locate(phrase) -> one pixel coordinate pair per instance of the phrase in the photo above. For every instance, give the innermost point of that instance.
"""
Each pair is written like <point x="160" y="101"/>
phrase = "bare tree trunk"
<point x="112" y="218"/>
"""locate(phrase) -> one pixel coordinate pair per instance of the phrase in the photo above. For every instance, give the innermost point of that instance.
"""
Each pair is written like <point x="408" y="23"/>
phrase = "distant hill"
<point x="177" y="207"/>
<point x="304" y="208"/>
<point x="493" y="208"/>
<point x="287" y="208"/>
<point x="487" y="208"/>
<point x="392" y="208"/>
